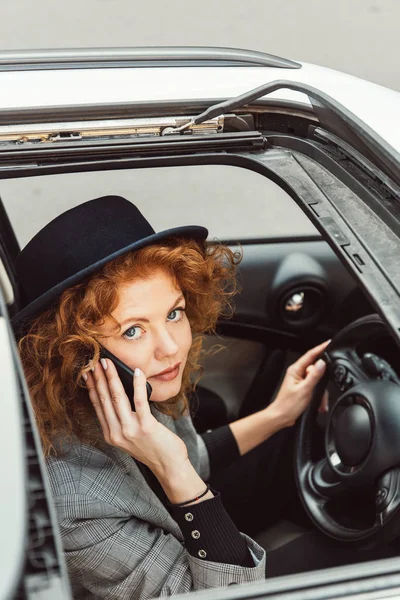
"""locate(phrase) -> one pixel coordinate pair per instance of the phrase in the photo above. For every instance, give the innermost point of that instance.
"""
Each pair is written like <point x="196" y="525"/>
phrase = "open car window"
<point x="233" y="203"/>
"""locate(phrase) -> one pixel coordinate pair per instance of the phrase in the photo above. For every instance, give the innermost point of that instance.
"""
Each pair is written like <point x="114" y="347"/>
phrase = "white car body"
<point x="375" y="105"/>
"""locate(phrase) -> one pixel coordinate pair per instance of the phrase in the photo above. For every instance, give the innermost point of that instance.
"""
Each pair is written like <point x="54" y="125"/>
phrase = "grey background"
<point x="360" y="37"/>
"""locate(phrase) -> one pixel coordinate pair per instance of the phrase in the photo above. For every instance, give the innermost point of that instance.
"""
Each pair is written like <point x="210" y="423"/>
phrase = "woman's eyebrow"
<point x="145" y="319"/>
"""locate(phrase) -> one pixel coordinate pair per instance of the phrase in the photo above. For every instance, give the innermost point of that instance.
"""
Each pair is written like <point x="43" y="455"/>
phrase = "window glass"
<point x="232" y="202"/>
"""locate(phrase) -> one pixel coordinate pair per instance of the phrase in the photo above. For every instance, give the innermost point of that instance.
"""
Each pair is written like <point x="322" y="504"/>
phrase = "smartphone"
<point x="126" y="375"/>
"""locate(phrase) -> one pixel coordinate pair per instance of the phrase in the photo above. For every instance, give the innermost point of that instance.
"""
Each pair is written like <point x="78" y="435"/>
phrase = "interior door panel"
<point x="230" y="367"/>
<point x="272" y="271"/>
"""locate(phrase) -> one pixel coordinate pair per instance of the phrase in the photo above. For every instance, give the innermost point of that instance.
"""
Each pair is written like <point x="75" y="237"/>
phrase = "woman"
<point x="137" y="517"/>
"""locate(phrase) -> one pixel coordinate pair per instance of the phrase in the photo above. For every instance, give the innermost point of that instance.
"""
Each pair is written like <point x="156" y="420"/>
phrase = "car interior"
<point x="295" y="293"/>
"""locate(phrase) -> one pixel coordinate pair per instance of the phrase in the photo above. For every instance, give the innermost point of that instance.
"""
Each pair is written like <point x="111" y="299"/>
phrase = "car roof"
<point x="62" y="84"/>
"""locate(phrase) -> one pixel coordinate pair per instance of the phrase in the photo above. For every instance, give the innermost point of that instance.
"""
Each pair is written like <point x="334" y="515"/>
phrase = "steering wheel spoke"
<point x="387" y="494"/>
<point x="325" y="481"/>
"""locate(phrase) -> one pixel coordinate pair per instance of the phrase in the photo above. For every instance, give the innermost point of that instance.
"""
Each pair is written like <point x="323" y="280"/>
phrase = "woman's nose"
<point x="166" y="345"/>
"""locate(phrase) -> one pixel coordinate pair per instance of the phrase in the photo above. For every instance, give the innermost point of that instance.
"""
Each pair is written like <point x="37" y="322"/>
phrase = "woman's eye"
<point x="133" y="333"/>
<point x="176" y="314"/>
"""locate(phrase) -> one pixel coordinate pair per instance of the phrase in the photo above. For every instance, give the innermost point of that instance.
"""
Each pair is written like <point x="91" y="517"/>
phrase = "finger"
<point x="299" y="367"/>
<point x="314" y="374"/>
<point x="119" y="398"/>
<point x="324" y="406"/>
<point x="142" y="406"/>
<point x="94" y="398"/>
<point x="104" y="396"/>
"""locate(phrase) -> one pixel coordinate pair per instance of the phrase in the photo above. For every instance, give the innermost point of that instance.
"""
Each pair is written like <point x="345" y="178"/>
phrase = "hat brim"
<point x="43" y="301"/>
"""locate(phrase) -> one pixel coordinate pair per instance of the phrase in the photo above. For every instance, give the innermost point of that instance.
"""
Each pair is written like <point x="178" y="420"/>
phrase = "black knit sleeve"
<point x="222" y="448"/>
<point x="210" y="533"/>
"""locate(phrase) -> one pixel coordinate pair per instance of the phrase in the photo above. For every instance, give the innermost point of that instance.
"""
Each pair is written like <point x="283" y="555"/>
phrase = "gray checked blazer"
<point x="120" y="541"/>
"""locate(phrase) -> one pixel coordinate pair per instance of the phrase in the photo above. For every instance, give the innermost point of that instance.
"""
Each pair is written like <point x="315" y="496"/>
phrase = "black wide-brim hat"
<point x="80" y="242"/>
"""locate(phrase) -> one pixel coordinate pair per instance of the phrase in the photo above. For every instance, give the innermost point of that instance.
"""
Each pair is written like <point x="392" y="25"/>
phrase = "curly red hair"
<point x="62" y="343"/>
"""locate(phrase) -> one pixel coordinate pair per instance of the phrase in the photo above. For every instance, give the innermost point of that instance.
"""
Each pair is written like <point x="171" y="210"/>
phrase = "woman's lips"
<point x="168" y="375"/>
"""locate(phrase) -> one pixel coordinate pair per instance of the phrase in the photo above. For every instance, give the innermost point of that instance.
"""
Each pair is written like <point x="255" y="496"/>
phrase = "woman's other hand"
<point x="298" y="385"/>
<point x="137" y="433"/>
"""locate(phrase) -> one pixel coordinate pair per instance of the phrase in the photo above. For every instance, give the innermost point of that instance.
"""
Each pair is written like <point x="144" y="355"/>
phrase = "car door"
<point x="294" y="294"/>
<point x="31" y="558"/>
<point x="295" y="289"/>
<point x="310" y="234"/>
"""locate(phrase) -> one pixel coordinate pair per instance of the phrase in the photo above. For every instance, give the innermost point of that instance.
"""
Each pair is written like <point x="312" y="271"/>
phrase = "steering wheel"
<point x="361" y="439"/>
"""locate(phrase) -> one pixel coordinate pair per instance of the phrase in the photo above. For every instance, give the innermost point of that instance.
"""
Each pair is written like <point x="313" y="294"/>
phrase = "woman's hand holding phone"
<point x="137" y="433"/>
<point x="125" y="374"/>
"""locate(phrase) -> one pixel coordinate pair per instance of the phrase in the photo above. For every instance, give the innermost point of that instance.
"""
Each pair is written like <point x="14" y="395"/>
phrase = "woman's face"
<point x="155" y="333"/>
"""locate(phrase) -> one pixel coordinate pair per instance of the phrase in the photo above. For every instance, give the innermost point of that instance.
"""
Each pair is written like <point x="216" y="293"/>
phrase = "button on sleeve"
<point x="210" y="533"/>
